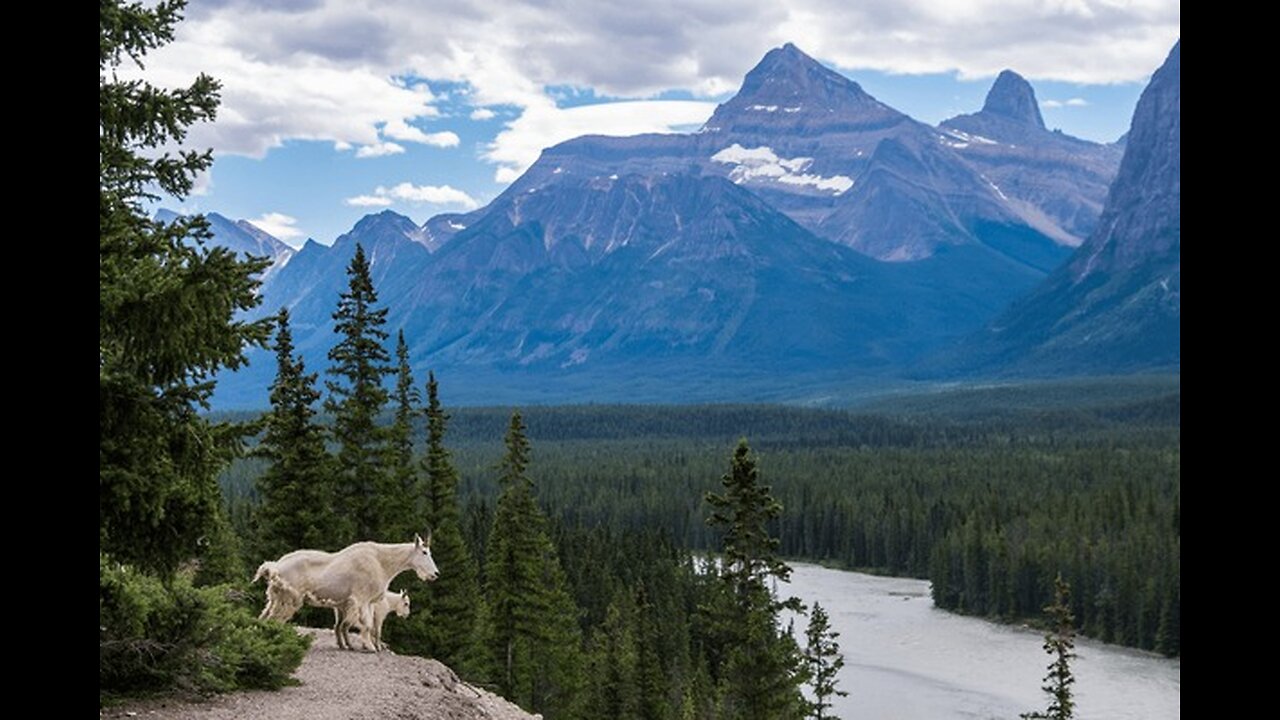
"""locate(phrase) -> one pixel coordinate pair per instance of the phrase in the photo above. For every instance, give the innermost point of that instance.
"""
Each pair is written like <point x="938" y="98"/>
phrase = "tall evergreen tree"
<point x="297" y="488"/>
<point x="613" y="659"/>
<point x="743" y="513"/>
<point x="356" y="396"/>
<point x="167" y="322"/>
<point x="824" y="661"/>
<point x="1059" y="642"/>
<point x="168" y="307"/>
<point x="534" y="643"/>
<point x="761" y="674"/>
<point x="445" y="623"/>
<point x="398" y="499"/>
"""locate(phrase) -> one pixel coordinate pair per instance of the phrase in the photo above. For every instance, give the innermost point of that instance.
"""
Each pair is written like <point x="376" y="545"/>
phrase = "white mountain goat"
<point x="347" y="581"/>
<point x="374" y="615"/>
<point x="283" y="597"/>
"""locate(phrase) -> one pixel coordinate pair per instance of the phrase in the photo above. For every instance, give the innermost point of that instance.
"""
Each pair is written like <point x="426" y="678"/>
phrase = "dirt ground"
<point x="343" y="685"/>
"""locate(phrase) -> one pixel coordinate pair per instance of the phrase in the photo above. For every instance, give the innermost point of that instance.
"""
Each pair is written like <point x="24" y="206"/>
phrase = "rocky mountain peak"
<point x="789" y="86"/>
<point x="1013" y="97"/>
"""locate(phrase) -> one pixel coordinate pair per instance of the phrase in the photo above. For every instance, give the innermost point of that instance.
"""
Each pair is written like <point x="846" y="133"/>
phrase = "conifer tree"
<point x="760" y="673"/>
<point x="1058" y="642"/>
<point x="614" y="664"/>
<point x="824" y="661"/>
<point x="297" y="489"/>
<point x="168" y="309"/>
<point x="534" y="643"/>
<point x="445" y="623"/>
<point x="398" y="500"/>
<point x="356" y="396"/>
<point x="743" y="513"/>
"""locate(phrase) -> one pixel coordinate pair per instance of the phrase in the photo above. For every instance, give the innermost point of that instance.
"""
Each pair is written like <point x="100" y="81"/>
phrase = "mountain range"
<point x="807" y="234"/>
<point x="1116" y="304"/>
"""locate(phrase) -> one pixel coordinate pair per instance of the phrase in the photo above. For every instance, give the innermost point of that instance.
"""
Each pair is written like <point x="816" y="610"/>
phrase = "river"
<point x="906" y="660"/>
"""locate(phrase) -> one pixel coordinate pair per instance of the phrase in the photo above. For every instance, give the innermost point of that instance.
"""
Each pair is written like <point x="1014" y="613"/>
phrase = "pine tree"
<point x="168" y="307"/>
<point x="822" y="655"/>
<point x="1059" y="642"/>
<point x="445" y="622"/>
<point x="356" y="396"/>
<point x="760" y="673"/>
<point x="743" y="513"/>
<point x="534" y="643"/>
<point x="297" y="489"/>
<point x="613" y="659"/>
<point x="398" y="499"/>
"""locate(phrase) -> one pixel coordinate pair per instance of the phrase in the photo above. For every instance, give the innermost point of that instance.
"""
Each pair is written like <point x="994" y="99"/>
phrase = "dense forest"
<point x="989" y="507"/>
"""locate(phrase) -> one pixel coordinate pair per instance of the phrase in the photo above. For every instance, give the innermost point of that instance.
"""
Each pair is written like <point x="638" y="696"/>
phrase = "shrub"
<point x="157" y="635"/>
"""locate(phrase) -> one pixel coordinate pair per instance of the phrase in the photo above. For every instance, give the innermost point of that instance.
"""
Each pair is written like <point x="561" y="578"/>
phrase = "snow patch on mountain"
<point x="762" y="164"/>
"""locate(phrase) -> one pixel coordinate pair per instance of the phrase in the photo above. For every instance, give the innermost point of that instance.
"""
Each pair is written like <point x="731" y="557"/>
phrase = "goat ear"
<point x="417" y="539"/>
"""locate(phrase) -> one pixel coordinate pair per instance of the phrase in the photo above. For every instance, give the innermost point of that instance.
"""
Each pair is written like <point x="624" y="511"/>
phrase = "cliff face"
<point x="342" y="685"/>
<point x="1116" y="305"/>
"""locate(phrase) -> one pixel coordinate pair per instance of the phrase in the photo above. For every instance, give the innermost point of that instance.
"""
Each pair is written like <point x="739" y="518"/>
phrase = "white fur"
<point x="349" y="581"/>
<point x="372" y="617"/>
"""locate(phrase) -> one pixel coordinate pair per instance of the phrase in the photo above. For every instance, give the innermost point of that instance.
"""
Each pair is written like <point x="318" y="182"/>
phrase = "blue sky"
<point x="336" y="108"/>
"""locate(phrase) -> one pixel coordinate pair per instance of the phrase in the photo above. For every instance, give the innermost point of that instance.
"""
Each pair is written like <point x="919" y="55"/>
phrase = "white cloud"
<point x="333" y="70"/>
<point x="400" y="130"/>
<point x="762" y="164"/>
<point x="202" y="184"/>
<point x="543" y="124"/>
<point x="430" y="194"/>
<point x="278" y="225"/>
<point x="415" y="194"/>
<point x="379" y="150"/>
<point x="482" y="114"/>
<point x="368" y="201"/>
<point x="506" y="175"/>
<point x="1073" y="102"/>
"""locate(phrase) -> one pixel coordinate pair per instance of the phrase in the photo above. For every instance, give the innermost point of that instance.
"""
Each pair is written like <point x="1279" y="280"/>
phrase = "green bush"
<point x="157" y="635"/>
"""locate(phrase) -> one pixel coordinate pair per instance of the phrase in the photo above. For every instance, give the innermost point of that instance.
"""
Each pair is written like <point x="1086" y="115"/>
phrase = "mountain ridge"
<point x="773" y="242"/>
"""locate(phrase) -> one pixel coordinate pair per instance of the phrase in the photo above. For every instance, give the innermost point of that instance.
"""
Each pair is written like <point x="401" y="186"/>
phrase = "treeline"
<point x="989" y="526"/>
<point x="1146" y="420"/>
<point x="990" y="511"/>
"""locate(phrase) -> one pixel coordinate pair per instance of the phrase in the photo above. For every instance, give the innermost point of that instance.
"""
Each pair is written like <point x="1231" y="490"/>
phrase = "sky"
<point x="332" y="109"/>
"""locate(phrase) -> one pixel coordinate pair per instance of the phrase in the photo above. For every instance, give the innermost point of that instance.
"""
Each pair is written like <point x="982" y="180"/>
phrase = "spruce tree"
<point x="613" y="659"/>
<point x="356" y="396"/>
<point x="445" y="621"/>
<point x="398" y="499"/>
<point x="1059" y="643"/>
<point x="169" y="309"/>
<point x="824" y="661"/>
<point x="743" y="513"/>
<point x="297" y="488"/>
<point x="534" y="637"/>
<point x="760" y="671"/>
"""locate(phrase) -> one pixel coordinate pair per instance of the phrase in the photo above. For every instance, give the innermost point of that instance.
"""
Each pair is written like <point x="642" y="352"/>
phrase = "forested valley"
<point x="989" y="506"/>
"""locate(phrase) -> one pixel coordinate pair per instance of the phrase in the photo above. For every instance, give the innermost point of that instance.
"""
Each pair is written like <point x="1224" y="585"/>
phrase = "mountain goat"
<point x="374" y="615"/>
<point x="348" y="581"/>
